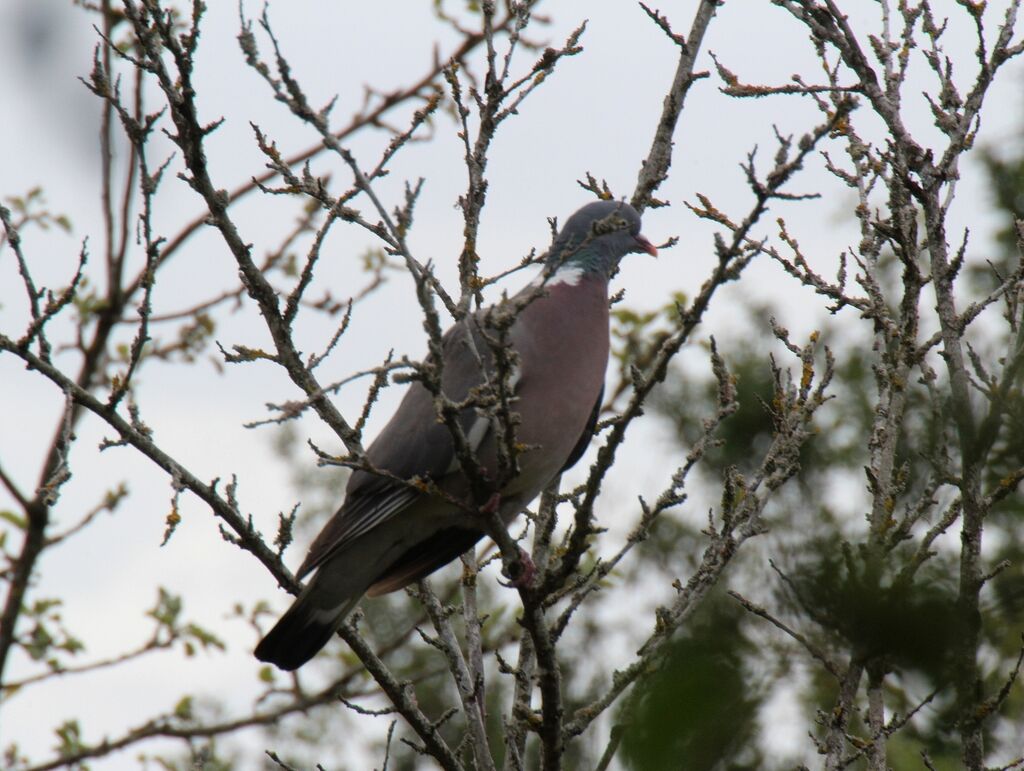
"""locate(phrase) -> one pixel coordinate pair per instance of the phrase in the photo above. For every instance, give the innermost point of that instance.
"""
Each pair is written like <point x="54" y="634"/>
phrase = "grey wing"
<point x="413" y="444"/>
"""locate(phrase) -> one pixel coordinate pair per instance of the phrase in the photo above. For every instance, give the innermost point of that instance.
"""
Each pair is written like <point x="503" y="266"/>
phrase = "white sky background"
<point x="597" y="114"/>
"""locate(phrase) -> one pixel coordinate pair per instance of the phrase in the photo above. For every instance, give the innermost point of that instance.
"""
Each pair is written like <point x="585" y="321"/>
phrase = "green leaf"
<point x="70" y="736"/>
<point x="167" y="610"/>
<point x="203" y="637"/>
<point x="183" y="709"/>
<point x="14" y="519"/>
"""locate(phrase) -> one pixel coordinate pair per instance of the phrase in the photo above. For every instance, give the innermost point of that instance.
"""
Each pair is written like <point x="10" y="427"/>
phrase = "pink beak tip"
<point x="647" y="246"/>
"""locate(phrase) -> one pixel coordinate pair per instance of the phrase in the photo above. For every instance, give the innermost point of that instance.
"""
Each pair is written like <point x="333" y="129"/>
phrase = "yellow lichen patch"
<point x="807" y="375"/>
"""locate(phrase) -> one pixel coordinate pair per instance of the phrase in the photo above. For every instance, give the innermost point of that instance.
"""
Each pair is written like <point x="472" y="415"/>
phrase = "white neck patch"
<point x="569" y="275"/>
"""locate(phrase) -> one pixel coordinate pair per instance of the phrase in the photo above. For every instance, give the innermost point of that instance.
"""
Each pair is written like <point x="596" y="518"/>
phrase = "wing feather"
<point x="413" y="444"/>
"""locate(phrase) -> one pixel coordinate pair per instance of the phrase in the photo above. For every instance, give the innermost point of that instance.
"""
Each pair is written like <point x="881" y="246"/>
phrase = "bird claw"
<point x="492" y="505"/>
<point x="527" y="572"/>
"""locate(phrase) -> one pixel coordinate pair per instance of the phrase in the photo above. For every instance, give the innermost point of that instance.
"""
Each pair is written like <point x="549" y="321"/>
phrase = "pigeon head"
<point x="597" y="236"/>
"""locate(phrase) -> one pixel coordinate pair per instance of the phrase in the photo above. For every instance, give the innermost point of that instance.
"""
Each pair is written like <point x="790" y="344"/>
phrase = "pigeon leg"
<point x="520" y="572"/>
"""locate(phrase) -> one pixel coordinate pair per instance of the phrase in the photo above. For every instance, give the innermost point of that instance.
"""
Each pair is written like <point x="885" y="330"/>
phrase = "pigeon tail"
<point x="306" y="628"/>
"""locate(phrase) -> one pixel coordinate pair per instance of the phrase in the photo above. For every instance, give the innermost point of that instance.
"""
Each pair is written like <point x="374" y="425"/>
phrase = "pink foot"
<point x="526" y="573"/>
<point x="492" y="505"/>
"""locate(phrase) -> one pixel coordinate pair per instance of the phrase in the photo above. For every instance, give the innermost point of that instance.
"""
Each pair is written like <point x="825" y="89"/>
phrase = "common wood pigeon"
<point x="387" y="535"/>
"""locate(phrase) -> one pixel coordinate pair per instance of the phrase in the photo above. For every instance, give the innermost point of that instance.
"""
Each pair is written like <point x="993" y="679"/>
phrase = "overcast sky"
<point x="597" y="114"/>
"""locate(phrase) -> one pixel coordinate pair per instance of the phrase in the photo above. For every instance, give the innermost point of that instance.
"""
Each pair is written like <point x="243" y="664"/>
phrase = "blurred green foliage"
<point x="830" y="584"/>
<point x="699" y="710"/>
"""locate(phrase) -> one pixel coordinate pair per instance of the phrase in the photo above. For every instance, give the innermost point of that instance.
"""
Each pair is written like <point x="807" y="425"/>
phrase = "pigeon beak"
<point x="643" y="245"/>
